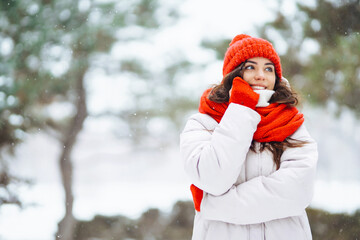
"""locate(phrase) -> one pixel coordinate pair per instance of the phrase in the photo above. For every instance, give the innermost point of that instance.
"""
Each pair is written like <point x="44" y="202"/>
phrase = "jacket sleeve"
<point x="284" y="193"/>
<point x="212" y="153"/>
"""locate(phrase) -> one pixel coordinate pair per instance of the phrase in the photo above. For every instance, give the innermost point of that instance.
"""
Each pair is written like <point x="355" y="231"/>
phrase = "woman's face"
<point x="259" y="72"/>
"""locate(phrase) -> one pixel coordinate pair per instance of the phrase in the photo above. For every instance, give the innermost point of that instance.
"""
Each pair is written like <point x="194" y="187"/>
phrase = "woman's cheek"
<point x="247" y="77"/>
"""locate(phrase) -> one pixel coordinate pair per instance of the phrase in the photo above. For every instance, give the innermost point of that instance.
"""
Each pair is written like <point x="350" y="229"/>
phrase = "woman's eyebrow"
<point x="270" y="63"/>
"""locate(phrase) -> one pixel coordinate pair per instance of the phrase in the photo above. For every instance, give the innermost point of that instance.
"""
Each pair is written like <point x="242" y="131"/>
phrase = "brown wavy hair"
<point x="283" y="94"/>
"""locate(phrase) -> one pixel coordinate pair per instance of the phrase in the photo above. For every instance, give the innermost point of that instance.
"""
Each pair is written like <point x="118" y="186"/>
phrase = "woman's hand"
<point x="241" y="93"/>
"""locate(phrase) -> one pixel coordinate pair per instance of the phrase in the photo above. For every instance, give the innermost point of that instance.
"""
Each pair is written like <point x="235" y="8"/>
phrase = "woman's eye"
<point x="269" y="69"/>
<point x="249" y="67"/>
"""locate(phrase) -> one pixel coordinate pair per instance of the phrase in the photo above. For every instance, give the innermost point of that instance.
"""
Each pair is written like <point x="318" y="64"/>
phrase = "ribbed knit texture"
<point x="243" y="47"/>
<point x="278" y="121"/>
<point x="242" y="93"/>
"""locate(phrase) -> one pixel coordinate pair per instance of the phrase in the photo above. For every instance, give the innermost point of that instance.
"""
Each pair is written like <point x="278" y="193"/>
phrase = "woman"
<point x="249" y="156"/>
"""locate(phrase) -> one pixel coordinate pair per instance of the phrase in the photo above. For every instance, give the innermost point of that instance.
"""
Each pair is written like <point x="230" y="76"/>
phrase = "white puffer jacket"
<point x="245" y="197"/>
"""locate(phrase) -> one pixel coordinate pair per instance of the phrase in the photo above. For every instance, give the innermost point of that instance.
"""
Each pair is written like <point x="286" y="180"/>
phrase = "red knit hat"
<point x="243" y="47"/>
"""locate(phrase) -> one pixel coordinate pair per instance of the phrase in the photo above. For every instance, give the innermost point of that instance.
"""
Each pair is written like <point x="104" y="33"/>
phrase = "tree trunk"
<point x="66" y="226"/>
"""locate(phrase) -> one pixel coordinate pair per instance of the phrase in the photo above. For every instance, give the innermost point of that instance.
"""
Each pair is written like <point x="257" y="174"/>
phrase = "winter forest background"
<point x="94" y="94"/>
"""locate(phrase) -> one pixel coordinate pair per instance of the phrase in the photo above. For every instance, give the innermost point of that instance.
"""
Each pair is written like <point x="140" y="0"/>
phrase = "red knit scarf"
<point x="278" y="121"/>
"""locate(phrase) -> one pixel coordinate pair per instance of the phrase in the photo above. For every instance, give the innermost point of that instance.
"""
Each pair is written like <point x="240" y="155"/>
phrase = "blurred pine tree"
<point x="46" y="50"/>
<point x="323" y="51"/>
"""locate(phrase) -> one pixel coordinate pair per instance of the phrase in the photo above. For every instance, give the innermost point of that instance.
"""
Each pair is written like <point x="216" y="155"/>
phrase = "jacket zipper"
<point x="248" y="232"/>
<point x="263" y="230"/>
<point x="260" y="174"/>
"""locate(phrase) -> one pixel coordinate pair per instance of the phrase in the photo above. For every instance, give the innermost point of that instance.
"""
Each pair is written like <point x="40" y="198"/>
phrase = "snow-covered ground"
<point x="109" y="179"/>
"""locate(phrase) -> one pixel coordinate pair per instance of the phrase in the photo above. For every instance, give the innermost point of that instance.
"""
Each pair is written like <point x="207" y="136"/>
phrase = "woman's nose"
<point x="260" y="75"/>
